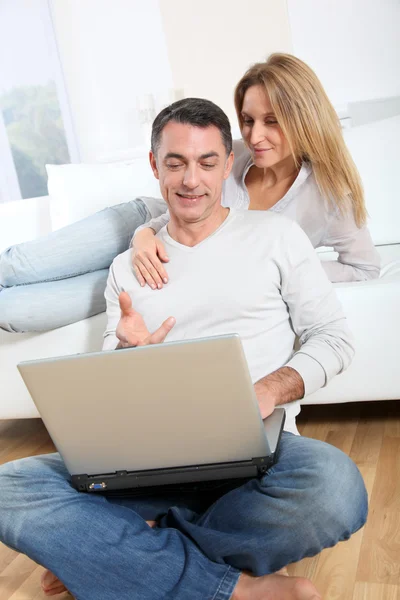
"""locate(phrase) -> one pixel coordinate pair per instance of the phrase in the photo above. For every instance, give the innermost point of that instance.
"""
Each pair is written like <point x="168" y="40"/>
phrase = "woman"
<point x="292" y="160"/>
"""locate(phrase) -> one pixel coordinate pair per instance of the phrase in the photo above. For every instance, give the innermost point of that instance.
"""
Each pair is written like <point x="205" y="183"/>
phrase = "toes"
<point x="305" y="590"/>
<point x="51" y="585"/>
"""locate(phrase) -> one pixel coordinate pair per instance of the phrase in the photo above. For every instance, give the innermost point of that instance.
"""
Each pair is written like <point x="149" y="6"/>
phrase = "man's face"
<point x="191" y="166"/>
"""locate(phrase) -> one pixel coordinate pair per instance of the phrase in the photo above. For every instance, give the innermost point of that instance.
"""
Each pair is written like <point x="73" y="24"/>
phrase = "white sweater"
<point x="267" y="292"/>
<point x="358" y="258"/>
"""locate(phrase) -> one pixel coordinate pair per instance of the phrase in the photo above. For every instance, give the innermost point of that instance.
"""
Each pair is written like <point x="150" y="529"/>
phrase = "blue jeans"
<point x="60" y="278"/>
<point x="102" y="549"/>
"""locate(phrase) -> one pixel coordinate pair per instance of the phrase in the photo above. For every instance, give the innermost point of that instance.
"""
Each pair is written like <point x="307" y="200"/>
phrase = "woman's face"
<point x="260" y="130"/>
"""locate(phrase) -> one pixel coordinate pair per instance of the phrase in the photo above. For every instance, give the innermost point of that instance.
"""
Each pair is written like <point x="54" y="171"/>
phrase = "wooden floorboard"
<point x="367" y="567"/>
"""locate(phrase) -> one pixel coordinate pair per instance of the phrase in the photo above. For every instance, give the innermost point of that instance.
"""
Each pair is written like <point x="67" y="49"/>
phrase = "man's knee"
<point x="324" y="485"/>
<point x="340" y="498"/>
<point x="26" y="486"/>
<point x="7" y="482"/>
<point x="20" y="479"/>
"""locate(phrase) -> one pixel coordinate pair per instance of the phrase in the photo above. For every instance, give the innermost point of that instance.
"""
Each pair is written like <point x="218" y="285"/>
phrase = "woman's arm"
<point x="358" y="258"/>
<point x="155" y="224"/>
<point x="148" y="253"/>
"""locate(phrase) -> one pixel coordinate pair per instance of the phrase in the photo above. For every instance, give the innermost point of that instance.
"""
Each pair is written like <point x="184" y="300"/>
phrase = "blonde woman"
<point x="292" y="160"/>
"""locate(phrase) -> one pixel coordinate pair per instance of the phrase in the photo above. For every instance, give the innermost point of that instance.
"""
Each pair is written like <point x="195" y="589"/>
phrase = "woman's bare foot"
<point x="52" y="586"/>
<point x="274" y="587"/>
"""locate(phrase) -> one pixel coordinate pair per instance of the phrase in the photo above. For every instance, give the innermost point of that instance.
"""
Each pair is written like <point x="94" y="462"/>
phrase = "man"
<point x="247" y="272"/>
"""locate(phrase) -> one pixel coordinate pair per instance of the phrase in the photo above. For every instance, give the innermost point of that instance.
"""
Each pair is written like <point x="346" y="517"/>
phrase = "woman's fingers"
<point x="139" y="275"/>
<point x="161" y="252"/>
<point x="151" y="270"/>
<point x="143" y="274"/>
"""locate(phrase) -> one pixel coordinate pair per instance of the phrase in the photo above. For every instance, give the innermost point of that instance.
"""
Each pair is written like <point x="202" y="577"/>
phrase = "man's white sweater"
<point x="257" y="275"/>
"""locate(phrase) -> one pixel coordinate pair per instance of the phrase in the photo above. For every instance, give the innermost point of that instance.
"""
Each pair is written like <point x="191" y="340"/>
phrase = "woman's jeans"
<point x="61" y="278"/>
<point x="102" y="549"/>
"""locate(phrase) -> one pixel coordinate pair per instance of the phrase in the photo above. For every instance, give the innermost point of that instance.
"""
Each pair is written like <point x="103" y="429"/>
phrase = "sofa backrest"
<point x="80" y="190"/>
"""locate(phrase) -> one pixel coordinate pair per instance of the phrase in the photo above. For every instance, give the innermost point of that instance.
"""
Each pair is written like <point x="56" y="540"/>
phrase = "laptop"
<point x="171" y="414"/>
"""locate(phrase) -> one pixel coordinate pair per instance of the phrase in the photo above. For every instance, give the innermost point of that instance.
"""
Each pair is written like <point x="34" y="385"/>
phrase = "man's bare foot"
<point x="52" y="586"/>
<point x="274" y="587"/>
<point x="151" y="523"/>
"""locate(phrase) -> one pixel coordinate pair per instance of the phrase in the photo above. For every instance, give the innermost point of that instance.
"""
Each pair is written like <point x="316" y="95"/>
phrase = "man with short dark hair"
<point x="247" y="272"/>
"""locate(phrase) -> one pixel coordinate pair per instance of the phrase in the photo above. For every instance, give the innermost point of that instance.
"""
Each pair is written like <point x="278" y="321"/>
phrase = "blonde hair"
<point x="311" y="127"/>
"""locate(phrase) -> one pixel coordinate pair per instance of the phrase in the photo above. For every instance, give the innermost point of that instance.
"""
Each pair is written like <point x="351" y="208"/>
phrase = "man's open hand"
<point x="131" y="329"/>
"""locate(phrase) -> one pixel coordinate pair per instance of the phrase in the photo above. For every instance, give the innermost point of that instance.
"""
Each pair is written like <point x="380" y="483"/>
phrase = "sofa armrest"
<point x="84" y="336"/>
<point x="24" y="220"/>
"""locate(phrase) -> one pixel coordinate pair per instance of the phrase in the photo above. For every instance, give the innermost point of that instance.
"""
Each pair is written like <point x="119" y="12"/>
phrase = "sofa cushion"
<point x="83" y="336"/>
<point x="390" y="262"/>
<point x="79" y="190"/>
<point x="372" y="311"/>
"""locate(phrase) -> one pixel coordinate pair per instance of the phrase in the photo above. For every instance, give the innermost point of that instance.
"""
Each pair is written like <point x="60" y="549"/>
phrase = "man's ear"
<point x="228" y="165"/>
<point x="153" y="164"/>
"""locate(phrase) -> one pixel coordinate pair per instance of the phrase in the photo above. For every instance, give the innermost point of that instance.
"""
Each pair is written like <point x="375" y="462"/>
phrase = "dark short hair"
<point x="192" y="111"/>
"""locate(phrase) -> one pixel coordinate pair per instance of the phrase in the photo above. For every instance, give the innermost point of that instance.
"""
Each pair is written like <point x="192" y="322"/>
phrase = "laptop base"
<point x="151" y="479"/>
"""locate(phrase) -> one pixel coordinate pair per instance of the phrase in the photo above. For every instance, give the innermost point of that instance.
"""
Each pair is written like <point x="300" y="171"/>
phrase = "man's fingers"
<point x="159" y="336"/>
<point x="125" y="304"/>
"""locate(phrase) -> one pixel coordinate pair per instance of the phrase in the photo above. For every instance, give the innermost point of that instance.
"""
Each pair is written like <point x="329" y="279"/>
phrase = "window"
<point x="35" y="123"/>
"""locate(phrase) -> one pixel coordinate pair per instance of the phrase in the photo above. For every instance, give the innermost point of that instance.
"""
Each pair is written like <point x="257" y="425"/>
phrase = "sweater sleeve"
<point x="326" y="345"/>
<point x="111" y="295"/>
<point x="156" y="224"/>
<point x="358" y="258"/>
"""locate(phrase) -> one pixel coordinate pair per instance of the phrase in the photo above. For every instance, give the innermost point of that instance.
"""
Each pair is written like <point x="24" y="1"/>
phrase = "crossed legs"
<point x="220" y="546"/>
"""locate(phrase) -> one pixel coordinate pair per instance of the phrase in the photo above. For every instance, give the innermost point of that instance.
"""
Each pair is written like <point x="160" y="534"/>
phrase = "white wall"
<point x="353" y="45"/>
<point x="111" y="53"/>
<point x="211" y="43"/>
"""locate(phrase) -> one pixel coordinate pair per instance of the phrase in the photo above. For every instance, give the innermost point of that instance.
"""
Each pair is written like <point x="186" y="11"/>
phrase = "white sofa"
<point x="372" y="308"/>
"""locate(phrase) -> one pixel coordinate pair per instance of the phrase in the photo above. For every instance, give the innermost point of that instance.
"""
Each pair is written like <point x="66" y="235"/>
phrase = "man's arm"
<point x="280" y="387"/>
<point x="111" y="295"/>
<point x="326" y="345"/>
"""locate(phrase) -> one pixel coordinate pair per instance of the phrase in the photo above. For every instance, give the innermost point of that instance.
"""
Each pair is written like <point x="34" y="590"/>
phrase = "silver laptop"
<point x="169" y="414"/>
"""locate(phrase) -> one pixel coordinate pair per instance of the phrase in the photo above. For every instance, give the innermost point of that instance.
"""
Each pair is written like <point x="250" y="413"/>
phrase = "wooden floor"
<point x="367" y="567"/>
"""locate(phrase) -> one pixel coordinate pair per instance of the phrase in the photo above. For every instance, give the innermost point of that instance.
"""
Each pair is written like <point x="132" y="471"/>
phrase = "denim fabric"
<point x="44" y="306"/>
<point x="60" y="278"/>
<point x="102" y="549"/>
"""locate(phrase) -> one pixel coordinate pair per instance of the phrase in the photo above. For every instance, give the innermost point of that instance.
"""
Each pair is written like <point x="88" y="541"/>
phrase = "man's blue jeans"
<point x="102" y="549"/>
